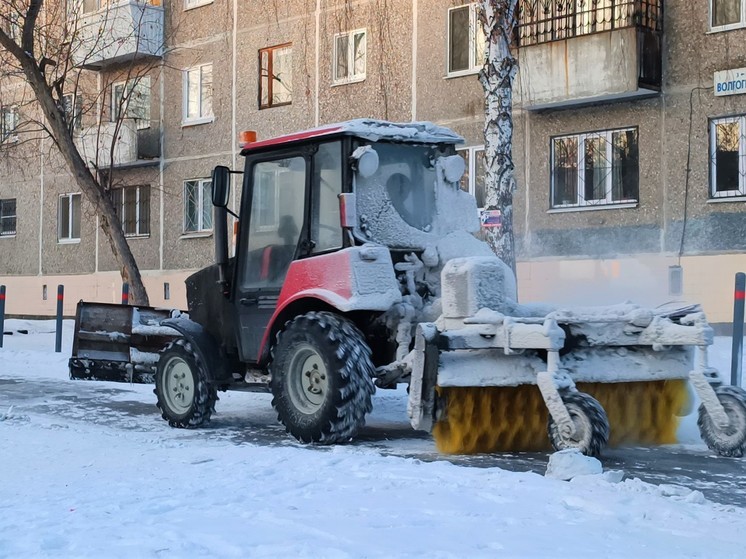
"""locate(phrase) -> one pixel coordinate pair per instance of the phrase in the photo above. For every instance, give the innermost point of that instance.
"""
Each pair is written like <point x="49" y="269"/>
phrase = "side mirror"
<point x="221" y="182"/>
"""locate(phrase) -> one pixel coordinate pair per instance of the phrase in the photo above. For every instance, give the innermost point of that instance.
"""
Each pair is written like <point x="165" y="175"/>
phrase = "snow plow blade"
<point x="483" y="380"/>
<point x="118" y="343"/>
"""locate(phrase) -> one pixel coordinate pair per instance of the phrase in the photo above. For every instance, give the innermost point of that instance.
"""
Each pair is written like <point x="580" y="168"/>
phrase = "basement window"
<point x="595" y="169"/>
<point x="728" y="157"/>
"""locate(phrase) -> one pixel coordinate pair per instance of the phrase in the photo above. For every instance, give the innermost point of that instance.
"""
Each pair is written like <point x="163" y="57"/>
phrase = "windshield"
<point x="407" y="203"/>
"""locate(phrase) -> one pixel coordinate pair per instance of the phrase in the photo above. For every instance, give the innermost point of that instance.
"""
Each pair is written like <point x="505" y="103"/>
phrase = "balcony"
<point x="120" y="31"/>
<point x="132" y="148"/>
<point x="575" y="52"/>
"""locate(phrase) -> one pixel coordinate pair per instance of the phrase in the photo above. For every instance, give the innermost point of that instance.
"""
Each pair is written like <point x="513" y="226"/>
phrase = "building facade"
<point x="629" y="139"/>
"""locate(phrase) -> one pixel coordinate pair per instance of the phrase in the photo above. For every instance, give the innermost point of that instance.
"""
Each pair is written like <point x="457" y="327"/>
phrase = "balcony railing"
<point x="132" y="146"/>
<point x="543" y="21"/>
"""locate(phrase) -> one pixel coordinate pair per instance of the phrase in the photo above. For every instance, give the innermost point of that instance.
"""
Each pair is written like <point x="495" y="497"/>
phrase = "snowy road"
<point x="250" y="419"/>
<point x="89" y="469"/>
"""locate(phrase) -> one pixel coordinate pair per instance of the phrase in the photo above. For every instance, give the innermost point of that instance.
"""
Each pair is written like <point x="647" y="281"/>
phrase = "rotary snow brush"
<point x="513" y="419"/>
<point x="491" y="375"/>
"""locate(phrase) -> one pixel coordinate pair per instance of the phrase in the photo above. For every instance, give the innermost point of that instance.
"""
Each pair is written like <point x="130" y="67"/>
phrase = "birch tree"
<point x="498" y="21"/>
<point x="38" y="39"/>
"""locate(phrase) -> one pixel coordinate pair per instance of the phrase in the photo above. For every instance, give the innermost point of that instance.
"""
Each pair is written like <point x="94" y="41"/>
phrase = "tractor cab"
<point x="307" y="196"/>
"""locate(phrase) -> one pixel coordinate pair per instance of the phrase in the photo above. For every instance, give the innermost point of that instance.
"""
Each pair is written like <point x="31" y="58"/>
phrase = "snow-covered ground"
<point x="75" y="482"/>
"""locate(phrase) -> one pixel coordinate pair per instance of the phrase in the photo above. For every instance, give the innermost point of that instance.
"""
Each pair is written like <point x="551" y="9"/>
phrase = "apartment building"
<point x="630" y="134"/>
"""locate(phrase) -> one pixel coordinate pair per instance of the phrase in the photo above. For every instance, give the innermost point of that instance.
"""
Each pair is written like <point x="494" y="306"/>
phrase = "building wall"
<point x="612" y="253"/>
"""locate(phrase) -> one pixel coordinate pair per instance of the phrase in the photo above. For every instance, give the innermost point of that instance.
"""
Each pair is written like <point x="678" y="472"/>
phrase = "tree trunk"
<point x="497" y="18"/>
<point x="93" y="190"/>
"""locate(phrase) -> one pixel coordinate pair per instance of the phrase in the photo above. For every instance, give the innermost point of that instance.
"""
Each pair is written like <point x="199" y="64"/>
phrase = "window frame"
<point x="351" y="76"/>
<point x="192" y="4"/>
<point x="740" y="191"/>
<point x="730" y="26"/>
<point x="200" y="230"/>
<point x="270" y="79"/>
<point x="120" y="207"/>
<point x="201" y="119"/>
<point x="471" y="168"/>
<point x="71" y="197"/>
<point x="4" y="217"/>
<point x="140" y="82"/>
<point x="474" y="65"/>
<point x="9" y="135"/>
<point x="581" y="203"/>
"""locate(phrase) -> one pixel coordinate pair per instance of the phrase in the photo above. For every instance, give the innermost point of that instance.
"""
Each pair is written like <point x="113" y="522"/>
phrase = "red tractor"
<point x="355" y="267"/>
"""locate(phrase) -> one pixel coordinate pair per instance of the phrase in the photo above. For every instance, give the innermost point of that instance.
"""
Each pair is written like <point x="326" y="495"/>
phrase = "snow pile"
<point x="570" y="463"/>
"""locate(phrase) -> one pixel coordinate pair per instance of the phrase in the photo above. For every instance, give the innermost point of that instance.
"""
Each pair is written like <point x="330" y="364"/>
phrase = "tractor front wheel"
<point x="589" y="419"/>
<point x="322" y="378"/>
<point x="185" y="398"/>
<point x="730" y="441"/>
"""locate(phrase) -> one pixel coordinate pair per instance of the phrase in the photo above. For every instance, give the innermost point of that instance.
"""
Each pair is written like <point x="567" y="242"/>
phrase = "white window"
<point x="466" y="41"/>
<point x="728" y="156"/>
<point x="73" y="106"/>
<point x="197" y="205"/>
<point x="189" y="4"/>
<point x="349" y="56"/>
<point x="11" y="24"/>
<point x="8" y="217"/>
<point x="68" y="218"/>
<point x="132" y="204"/>
<point x="198" y="94"/>
<point x="595" y="169"/>
<point x="727" y="14"/>
<point x="265" y="212"/>
<point x="8" y="123"/>
<point x="131" y="99"/>
<point x="473" y="179"/>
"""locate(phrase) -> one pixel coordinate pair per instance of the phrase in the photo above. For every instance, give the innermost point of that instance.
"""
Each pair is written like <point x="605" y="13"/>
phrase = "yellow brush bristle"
<point x="510" y="419"/>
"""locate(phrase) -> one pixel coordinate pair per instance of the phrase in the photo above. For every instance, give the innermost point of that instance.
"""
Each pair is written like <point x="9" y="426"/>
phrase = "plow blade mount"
<point x="118" y="343"/>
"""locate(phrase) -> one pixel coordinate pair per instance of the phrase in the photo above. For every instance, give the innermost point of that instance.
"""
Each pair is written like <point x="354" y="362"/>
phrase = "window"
<point x="73" y="106"/>
<point x="326" y="229"/>
<point x="727" y="14"/>
<point x="197" y="205"/>
<point x="68" y="218"/>
<point x="131" y="99"/>
<point x="275" y="76"/>
<point x="473" y="179"/>
<point x="466" y="41"/>
<point x="198" y="94"/>
<point x="594" y="169"/>
<point x="8" y="217"/>
<point x="728" y="156"/>
<point x="11" y="24"/>
<point x="132" y="204"/>
<point x="188" y="4"/>
<point x="349" y="57"/>
<point x="8" y="123"/>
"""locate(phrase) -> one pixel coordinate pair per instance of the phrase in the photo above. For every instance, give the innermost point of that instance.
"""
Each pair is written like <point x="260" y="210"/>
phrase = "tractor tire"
<point x="322" y="378"/>
<point x="591" y="424"/>
<point x="732" y="440"/>
<point x="185" y="398"/>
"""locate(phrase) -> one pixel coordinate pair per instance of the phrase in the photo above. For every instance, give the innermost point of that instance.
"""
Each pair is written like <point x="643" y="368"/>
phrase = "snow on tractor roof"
<point x="369" y="129"/>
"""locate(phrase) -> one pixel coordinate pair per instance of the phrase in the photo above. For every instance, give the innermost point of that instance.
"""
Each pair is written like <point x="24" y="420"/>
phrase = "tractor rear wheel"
<point x="591" y="425"/>
<point x="730" y="441"/>
<point x="185" y="398"/>
<point x="322" y="378"/>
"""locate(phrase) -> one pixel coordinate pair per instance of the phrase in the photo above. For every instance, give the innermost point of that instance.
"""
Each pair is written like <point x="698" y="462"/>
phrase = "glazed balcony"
<point x="120" y="31"/>
<point x="574" y="52"/>
<point x="134" y="146"/>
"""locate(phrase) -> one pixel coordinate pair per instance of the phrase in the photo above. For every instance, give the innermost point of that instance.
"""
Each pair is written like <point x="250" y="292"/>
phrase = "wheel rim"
<point x="178" y="385"/>
<point x="581" y="439"/>
<point x="308" y="380"/>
